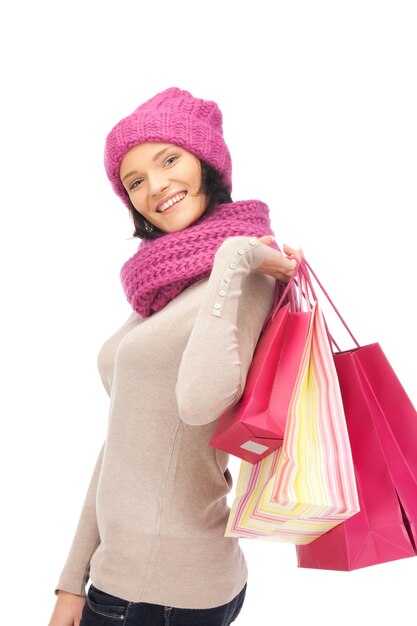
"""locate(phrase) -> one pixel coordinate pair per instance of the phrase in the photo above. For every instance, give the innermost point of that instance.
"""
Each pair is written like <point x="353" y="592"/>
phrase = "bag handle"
<point x="289" y="288"/>
<point x="309" y="287"/>
<point x="300" y="274"/>
<point x="306" y="268"/>
<point x="306" y="289"/>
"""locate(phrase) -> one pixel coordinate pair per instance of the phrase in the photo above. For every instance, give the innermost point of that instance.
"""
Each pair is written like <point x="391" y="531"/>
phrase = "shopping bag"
<point x="307" y="487"/>
<point x="377" y="534"/>
<point x="395" y="420"/>
<point x="254" y="427"/>
<point x="382" y="426"/>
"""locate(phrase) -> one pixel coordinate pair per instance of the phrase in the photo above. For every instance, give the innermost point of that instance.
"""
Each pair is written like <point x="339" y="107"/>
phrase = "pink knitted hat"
<point x="172" y="116"/>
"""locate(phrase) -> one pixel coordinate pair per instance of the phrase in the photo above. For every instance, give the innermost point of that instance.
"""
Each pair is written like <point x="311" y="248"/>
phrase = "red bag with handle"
<point x="382" y="427"/>
<point x="254" y="427"/>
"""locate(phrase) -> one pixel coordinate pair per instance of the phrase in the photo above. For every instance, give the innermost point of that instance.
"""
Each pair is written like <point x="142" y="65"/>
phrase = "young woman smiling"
<point x="156" y="174"/>
<point x="151" y="530"/>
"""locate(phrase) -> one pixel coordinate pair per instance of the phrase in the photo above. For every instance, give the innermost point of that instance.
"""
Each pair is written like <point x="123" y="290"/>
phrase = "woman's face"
<point x="158" y="174"/>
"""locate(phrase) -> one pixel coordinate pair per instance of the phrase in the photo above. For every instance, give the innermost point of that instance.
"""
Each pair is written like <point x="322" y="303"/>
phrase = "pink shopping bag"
<point x="382" y="427"/>
<point x="254" y="427"/>
<point x="308" y="486"/>
<point x="395" y="420"/>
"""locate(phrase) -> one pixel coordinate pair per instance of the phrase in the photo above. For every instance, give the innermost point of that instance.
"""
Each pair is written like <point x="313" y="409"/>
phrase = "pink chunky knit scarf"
<point x="162" y="268"/>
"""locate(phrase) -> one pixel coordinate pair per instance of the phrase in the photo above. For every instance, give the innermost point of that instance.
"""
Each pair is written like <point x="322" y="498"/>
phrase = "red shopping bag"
<point x="395" y="420"/>
<point x="254" y="427"/>
<point x="382" y="427"/>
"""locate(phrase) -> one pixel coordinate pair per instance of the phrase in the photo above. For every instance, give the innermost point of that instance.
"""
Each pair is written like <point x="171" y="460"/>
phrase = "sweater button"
<point x="222" y="292"/>
<point x="226" y="279"/>
<point x="232" y="265"/>
<point x="217" y="305"/>
<point x="252" y="241"/>
<point x="240" y="251"/>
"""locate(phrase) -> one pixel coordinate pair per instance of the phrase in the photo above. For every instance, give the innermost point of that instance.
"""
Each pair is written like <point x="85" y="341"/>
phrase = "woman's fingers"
<point x="268" y="239"/>
<point x="298" y="252"/>
<point x="276" y="264"/>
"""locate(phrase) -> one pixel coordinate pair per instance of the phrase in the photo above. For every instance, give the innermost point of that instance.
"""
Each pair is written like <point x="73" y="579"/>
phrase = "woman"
<point x="201" y="284"/>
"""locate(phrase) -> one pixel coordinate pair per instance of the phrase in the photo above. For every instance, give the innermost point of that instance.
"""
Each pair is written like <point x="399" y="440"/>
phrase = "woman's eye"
<point x="136" y="183"/>
<point x="170" y="159"/>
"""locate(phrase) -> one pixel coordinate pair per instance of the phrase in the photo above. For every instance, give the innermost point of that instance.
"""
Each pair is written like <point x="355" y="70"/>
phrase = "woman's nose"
<point x="157" y="185"/>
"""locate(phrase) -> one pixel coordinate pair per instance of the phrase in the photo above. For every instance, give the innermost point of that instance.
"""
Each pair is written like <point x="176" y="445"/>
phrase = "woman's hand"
<point x="276" y="264"/>
<point x="68" y="609"/>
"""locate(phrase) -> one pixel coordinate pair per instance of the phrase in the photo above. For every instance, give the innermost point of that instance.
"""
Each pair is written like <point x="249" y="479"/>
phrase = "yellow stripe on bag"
<point x="307" y="486"/>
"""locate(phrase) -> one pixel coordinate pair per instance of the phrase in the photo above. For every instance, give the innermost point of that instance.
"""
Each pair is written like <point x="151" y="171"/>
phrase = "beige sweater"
<point x="152" y="524"/>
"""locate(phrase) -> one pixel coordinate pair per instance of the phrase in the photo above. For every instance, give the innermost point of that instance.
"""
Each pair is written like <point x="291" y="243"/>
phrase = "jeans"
<point x="102" y="609"/>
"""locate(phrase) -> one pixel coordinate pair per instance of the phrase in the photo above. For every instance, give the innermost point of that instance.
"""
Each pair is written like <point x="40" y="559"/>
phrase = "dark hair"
<point x="212" y="185"/>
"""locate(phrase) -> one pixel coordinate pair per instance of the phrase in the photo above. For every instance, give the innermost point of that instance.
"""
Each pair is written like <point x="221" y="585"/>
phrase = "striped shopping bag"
<point x="307" y="486"/>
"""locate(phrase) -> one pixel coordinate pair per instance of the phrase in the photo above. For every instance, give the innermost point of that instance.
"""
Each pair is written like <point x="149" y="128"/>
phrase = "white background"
<point x="319" y="105"/>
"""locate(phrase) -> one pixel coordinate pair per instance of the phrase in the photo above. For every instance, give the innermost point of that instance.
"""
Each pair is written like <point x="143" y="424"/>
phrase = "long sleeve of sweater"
<point x="216" y="360"/>
<point x="75" y="573"/>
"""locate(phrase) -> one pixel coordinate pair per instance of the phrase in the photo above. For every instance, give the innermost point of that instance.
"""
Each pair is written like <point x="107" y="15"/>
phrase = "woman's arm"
<point x="75" y="573"/>
<point x="216" y="360"/>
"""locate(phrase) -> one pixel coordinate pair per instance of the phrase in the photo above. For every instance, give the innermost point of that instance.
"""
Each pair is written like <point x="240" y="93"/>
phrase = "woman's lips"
<point x="169" y="209"/>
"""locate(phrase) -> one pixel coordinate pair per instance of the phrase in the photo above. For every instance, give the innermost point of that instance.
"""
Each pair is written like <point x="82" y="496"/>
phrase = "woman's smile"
<point x="171" y="203"/>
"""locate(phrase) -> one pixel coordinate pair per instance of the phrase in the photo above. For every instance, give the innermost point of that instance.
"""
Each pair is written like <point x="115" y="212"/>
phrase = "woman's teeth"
<point x="170" y="202"/>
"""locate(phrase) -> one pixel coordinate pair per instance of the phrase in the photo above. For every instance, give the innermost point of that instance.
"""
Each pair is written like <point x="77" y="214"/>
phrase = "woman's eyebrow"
<point x="158" y="154"/>
<point x="154" y="158"/>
